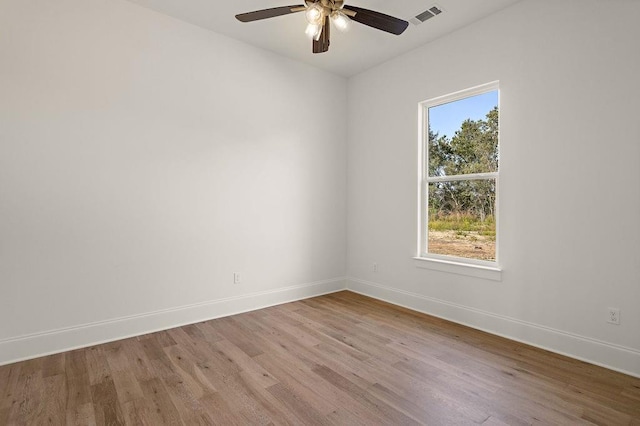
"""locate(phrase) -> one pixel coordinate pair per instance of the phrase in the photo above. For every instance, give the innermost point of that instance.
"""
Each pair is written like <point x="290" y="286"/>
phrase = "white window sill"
<point x="453" y="267"/>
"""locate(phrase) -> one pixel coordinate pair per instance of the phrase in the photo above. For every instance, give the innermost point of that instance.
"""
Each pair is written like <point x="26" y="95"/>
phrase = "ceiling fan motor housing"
<point x="328" y="6"/>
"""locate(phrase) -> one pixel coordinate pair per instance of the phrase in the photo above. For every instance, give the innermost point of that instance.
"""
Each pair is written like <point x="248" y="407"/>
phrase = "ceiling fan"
<point x="320" y="13"/>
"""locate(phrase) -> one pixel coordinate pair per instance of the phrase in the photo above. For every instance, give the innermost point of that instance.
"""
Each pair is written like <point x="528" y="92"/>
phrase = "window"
<point x="459" y="177"/>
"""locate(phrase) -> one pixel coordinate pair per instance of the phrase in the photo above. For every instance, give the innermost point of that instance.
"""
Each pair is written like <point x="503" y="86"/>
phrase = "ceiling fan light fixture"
<point x="313" y="31"/>
<point x="314" y="14"/>
<point x="340" y="20"/>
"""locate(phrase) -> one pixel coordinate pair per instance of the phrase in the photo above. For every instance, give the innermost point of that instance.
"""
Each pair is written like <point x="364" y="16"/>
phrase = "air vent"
<point x="427" y="14"/>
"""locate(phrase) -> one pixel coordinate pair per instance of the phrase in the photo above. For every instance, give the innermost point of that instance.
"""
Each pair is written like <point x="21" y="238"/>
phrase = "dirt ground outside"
<point x="469" y="244"/>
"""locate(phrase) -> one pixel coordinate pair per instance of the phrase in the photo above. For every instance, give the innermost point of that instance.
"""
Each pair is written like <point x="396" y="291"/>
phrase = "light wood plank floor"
<point x="338" y="359"/>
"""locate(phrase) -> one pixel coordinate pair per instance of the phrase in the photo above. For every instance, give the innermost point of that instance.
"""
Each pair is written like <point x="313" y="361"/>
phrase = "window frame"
<point x="461" y="265"/>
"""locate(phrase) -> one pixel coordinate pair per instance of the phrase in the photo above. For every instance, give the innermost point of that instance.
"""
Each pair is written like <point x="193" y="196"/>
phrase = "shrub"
<point x="462" y="222"/>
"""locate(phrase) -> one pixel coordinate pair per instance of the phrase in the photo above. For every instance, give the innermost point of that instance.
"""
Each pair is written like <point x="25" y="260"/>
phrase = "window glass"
<point x="460" y="182"/>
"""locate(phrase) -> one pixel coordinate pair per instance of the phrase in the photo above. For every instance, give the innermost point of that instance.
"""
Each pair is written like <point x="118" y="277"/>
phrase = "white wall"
<point x="143" y="161"/>
<point x="570" y="176"/>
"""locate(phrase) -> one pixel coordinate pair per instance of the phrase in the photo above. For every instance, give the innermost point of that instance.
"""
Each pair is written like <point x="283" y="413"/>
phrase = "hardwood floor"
<point x="337" y="359"/>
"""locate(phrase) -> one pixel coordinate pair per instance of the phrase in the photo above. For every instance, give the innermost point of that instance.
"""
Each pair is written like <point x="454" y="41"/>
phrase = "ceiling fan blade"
<point x="322" y="44"/>
<point x="377" y="20"/>
<point x="269" y="13"/>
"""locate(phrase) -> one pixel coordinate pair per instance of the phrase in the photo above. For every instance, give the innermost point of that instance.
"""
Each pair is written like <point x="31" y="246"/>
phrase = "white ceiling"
<point x="350" y="53"/>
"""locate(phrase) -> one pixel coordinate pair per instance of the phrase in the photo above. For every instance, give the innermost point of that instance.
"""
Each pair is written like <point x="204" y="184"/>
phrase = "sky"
<point x="445" y="119"/>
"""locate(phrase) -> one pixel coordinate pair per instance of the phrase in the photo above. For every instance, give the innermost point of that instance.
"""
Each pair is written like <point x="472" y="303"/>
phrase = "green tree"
<point x="472" y="149"/>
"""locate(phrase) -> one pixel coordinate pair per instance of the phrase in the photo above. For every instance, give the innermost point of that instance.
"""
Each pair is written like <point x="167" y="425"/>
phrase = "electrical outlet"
<point x="236" y="278"/>
<point x="375" y="267"/>
<point x="614" y="316"/>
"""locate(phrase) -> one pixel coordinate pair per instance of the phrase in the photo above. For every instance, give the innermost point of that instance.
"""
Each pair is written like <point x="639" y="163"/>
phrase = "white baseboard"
<point x="54" y="341"/>
<point x="614" y="357"/>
